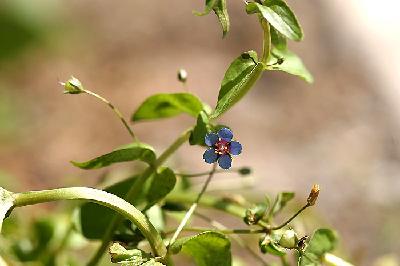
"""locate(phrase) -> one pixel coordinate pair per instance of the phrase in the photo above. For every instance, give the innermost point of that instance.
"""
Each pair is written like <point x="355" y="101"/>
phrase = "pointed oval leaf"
<point x="280" y="16"/>
<point x="161" y="184"/>
<point x="289" y="63"/>
<point x="322" y="241"/>
<point x="241" y="75"/>
<point x="131" y="152"/>
<point x="207" y="248"/>
<point x="165" y="105"/>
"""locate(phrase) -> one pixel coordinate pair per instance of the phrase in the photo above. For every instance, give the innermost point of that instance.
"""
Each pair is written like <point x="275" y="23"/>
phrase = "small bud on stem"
<point x="72" y="86"/>
<point x="312" y="198"/>
<point x="182" y="75"/>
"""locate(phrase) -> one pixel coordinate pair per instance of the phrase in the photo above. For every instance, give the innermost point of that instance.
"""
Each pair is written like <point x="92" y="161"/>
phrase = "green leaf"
<point x="289" y="62"/>
<point x="207" y="248"/>
<point x="239" y="78"/>
<point x="281" y="200"/>
<point x="222" y="14"/>
<point x="131" y="152"/>
<point x="280" y="16"/>
<point x="161" y="184"/>
<point x="322" y="241"/>
<point x="6" y="203"/>
<point x="200" y="130"/>
<point x="95" y="218"/>
<point x="277" y="39"/>
<point x="167" y="105"/>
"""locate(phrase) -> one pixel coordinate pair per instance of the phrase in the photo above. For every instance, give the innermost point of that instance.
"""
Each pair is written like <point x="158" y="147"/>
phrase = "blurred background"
<point x="341" y="132"/>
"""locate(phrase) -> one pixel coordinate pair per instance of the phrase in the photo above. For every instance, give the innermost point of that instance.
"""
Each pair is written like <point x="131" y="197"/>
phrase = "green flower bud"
<point x="289" y="239"/>
<point x="72" y="86"/>
<point x="182" y="75"/>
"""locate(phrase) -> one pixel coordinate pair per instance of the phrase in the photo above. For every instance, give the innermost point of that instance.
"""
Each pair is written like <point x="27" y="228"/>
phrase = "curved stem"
<point x="115" y="110"/>
<point x="101" y="197"/>
<point x="266" y="40"/>
<point x="134" y="190"/>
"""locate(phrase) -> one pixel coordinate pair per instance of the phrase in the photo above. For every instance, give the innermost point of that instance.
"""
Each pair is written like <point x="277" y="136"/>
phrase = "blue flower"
<point x="222" y="147"/>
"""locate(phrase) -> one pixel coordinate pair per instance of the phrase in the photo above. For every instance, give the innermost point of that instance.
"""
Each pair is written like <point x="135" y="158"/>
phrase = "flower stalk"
<point x="193" y="207"/>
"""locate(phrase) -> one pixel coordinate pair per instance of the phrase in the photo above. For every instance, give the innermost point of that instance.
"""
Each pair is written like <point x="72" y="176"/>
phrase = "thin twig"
<point x="222" y="231"/>
<point x="291" y="218"/>
<point x="115" y="110"/>
<point x="193" y="207"/>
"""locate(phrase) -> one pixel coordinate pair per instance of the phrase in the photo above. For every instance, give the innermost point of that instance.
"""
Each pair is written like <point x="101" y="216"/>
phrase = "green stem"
<point x="193" y="207"/>
<point x="213" y="202"/>
<point x="266" y="40"/>
<point x="218" y="171"/>
<point x="100" y="197"/>
<point x="134" y="190"/>
<point x="291" y="218"/>
<point x="222" y="231"/>
<point x="115" y="110"/>
<point x="208" y="201"/>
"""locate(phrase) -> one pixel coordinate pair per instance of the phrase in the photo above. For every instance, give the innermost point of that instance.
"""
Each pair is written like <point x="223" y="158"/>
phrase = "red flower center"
<point x="222" y="147"/>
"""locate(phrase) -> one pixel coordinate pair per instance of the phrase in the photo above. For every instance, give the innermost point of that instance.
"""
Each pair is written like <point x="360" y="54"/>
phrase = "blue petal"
<point x="235" y="148"/>
<point x="210" y="156"/>
<point x="225" y="161"/>
<point x="225" y="134"/>
<point x="210" y="139"/>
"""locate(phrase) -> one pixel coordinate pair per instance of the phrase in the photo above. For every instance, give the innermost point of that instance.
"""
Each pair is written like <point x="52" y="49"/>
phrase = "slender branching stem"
<point x="218" y="171"/>
<point x="134" y="190"/>
<point x="100" y="197"/>
<point x="193" y="207"/>
<point x="291" y="218"/>
<point x="222" y="231"/>
<point x="115" y="110"/>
